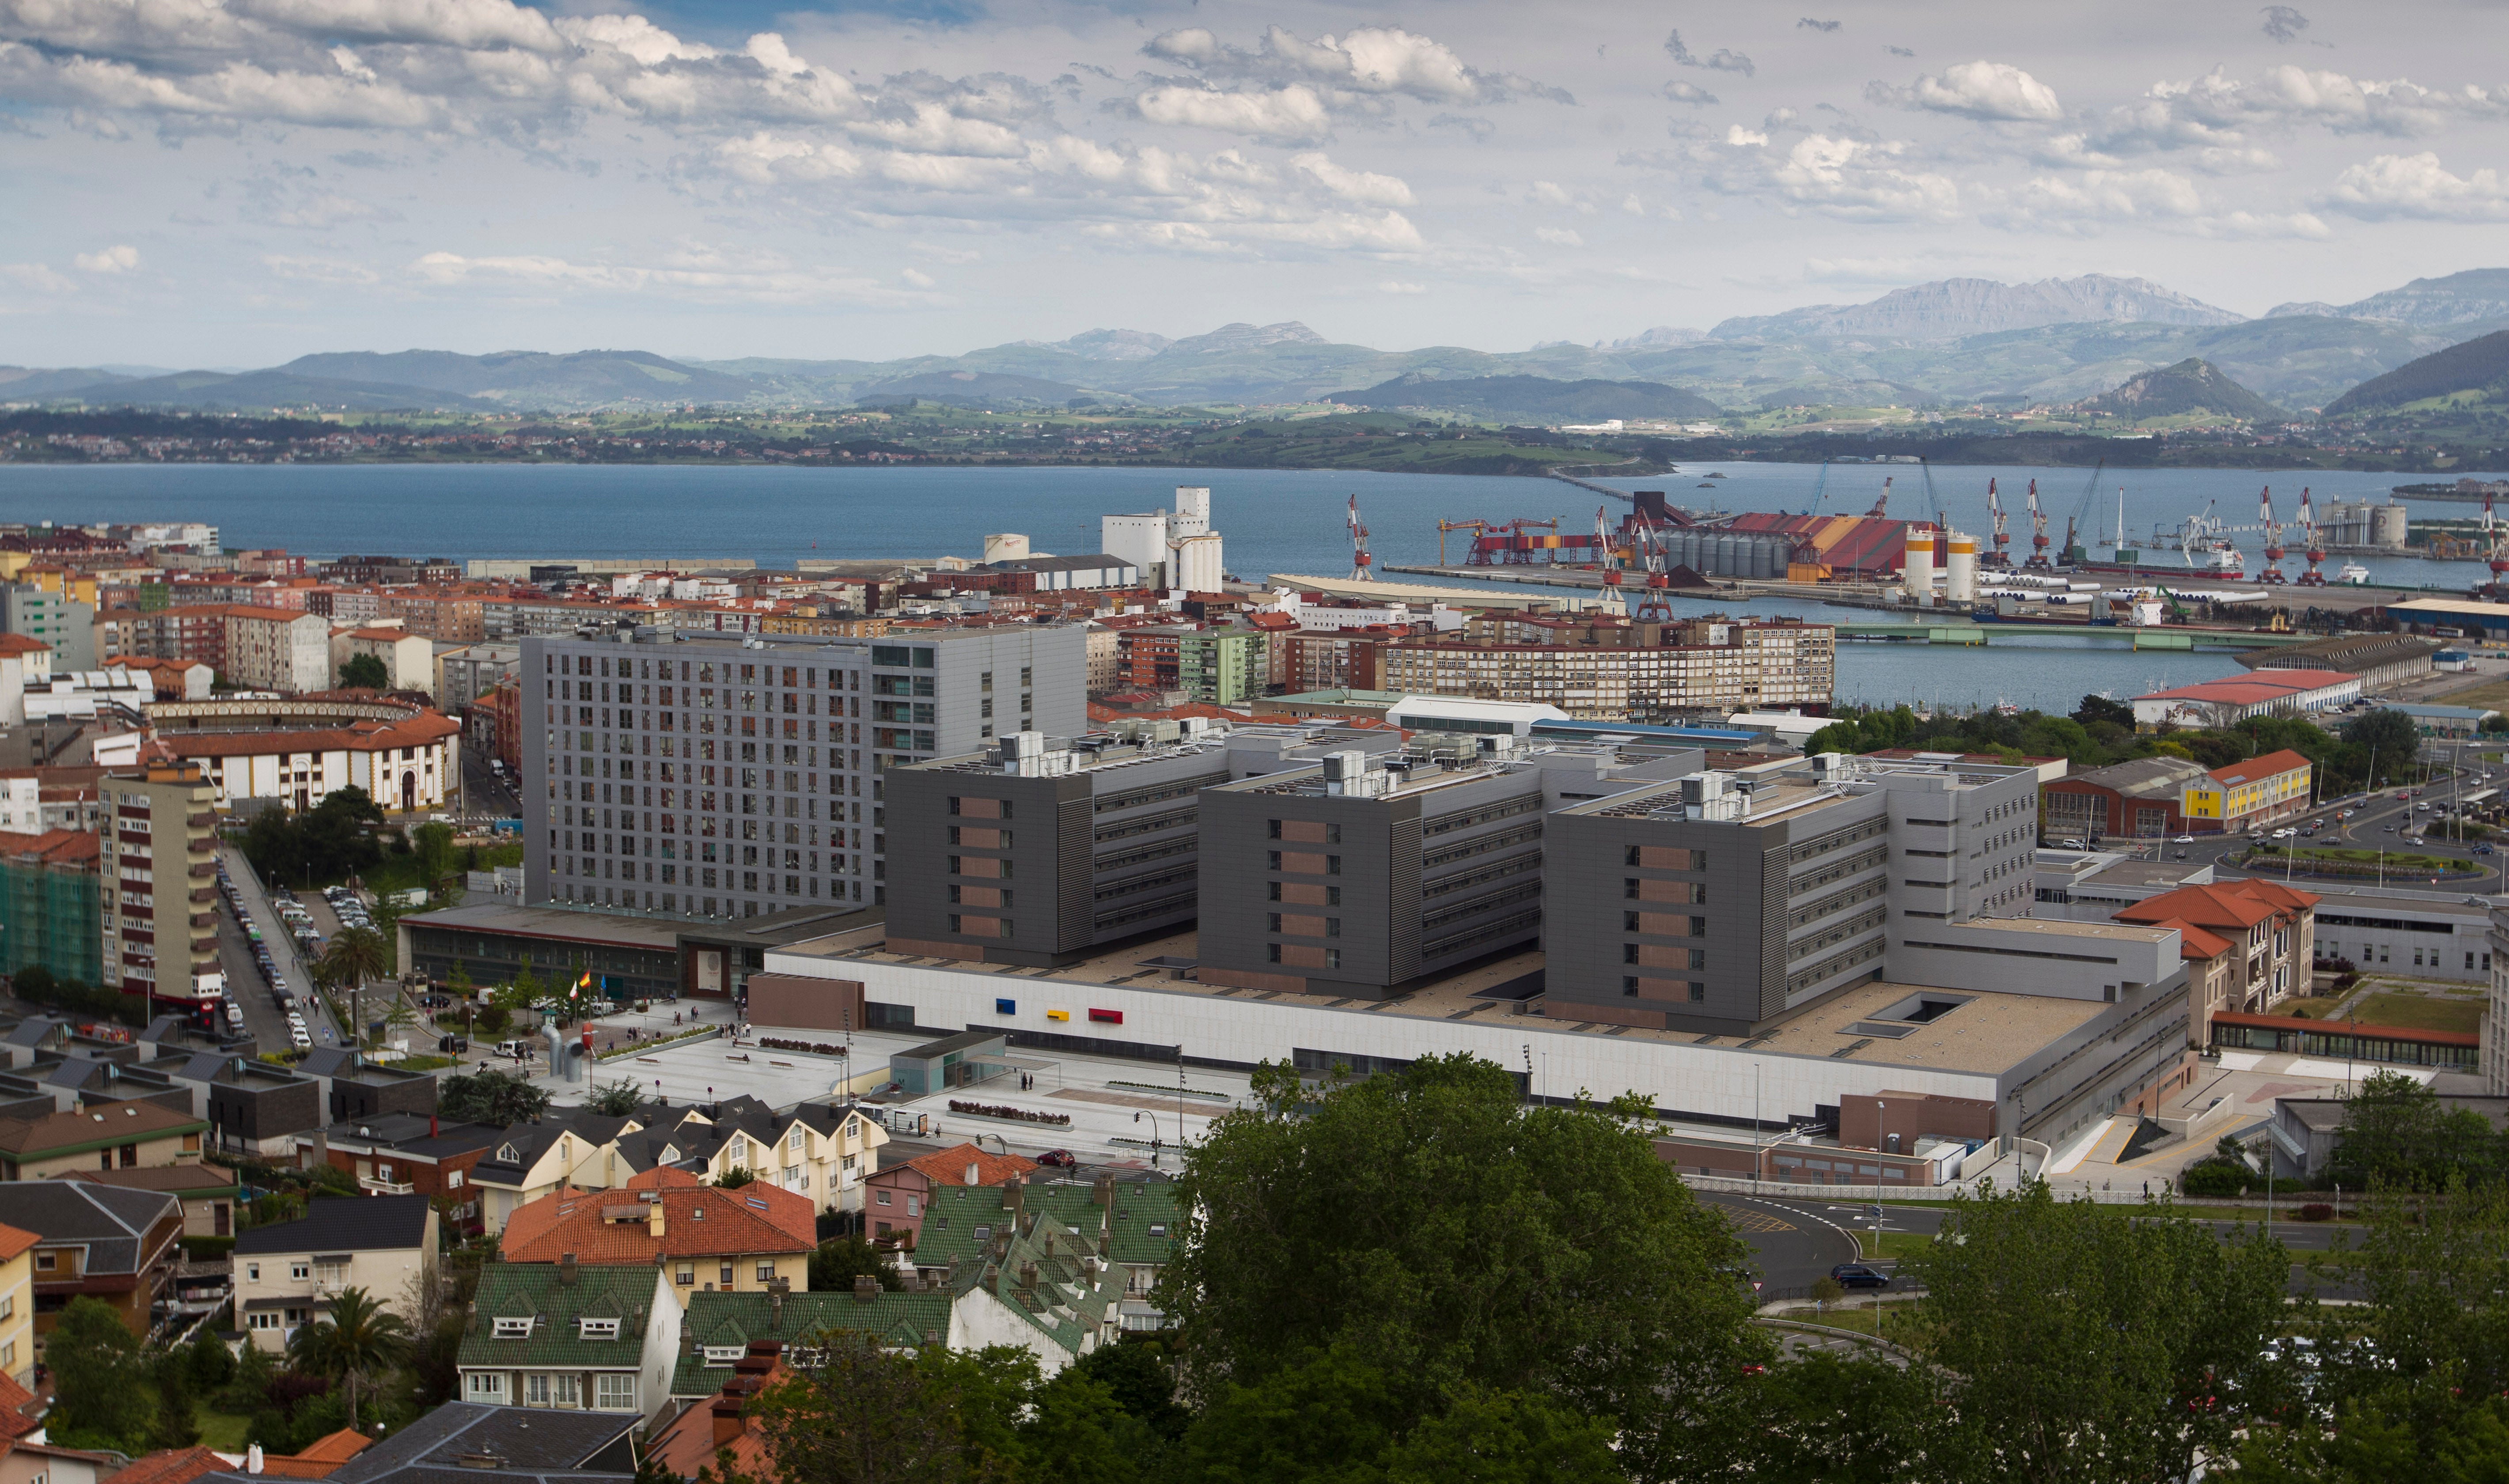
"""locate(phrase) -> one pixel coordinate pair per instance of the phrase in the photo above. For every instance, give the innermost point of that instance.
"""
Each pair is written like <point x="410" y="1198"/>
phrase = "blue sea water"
<point x="1273" y="522"/>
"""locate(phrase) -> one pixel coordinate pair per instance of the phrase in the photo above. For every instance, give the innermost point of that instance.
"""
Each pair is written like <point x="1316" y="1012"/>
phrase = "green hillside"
<point x="2192" y="386"/>
<point x="2476" y="371"/>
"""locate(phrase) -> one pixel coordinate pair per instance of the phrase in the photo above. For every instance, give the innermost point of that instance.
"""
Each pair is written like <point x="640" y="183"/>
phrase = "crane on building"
<point x="2271" y="572"/>
<point x="1359" y="557"/>
<point x="2037" y="530"/>
<point x="2002" y="556"/>
<point x="2312" y="545"/>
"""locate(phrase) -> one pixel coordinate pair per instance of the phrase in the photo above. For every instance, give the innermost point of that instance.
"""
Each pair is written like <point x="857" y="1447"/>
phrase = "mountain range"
<point x="1953" y="342"/>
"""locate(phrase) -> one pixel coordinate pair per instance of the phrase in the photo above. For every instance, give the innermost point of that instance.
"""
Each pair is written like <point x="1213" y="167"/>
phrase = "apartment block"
<point x="727" y="777"/>
<point x="159" y="884"/>
<point x="1223" y="667"/>
<point x="49" y="617"/>
<point x="1359" y="874"/>
<point x="1722" y="902"/>
<point x="1602" y="669"/>
<point x="275" y="648"/>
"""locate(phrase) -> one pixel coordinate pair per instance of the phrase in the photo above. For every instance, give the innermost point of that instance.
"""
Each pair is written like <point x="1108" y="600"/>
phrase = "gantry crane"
<point x="2037" y="530"/>
<point x="1657" y="606"/>
<point x="2311" y="545"/>
<point x="2494" y="533"/>
<point x="1360" y="560"/>
<point x="2271" y="572"/>
<point x="1609" y="559"/>
<point x="2001" y="555"/>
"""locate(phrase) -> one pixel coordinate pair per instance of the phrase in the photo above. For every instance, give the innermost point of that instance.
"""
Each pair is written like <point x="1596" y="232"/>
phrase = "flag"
<point x="580" y="985"/>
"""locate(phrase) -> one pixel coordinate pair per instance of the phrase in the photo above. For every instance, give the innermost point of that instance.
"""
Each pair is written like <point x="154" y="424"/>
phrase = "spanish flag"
<point x="580" y="984"/>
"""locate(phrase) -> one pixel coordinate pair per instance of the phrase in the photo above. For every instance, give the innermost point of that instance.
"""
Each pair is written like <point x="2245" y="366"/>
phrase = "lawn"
<point x="2396" y="861"/>
<point x="221" y="1430"/>
<point x="1894" y="1244"/>
<point x="2418" y="1012"/>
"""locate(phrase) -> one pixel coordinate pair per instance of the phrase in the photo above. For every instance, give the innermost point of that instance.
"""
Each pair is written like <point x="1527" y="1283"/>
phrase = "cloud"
<point x="916" y="278"/>
<point x="1400" y="286"/>
<point x="2220" y="110"/>
<point x="1857" y="179"/>
<point x="1558" y="237"/>
<point x="2283" y="24"/>
<point x="1807" y="24"/>
<point x="1380" y="62"/>
<point x="1899" y="51"/>
<point x="320" y="270"/>
<point x="1744" y="138"/>
<point x="2096" y="198"/>
<point x="318" y="210"/>
<point x="1862" y="271"/>
<point x="1688" y="92"/>
<point x="119" y="258"/>
<point x="698" y="274"/>
<point x="1722" y="61"/>
<point x="1293" y="114"/>
<point x="1358" y="186"/>
<point x="2418" y="186"/>
<point x="2301" y="225"/>
<point x="1976" y="90"/>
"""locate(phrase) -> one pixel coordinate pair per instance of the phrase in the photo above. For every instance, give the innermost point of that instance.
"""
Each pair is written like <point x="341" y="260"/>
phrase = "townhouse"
<point x="290" y="1273"/>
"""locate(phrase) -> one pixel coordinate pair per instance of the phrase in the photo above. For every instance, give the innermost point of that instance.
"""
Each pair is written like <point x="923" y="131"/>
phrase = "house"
<point x="1130" y="1221"/>
<point x="479" y="1445"/>
<point x="16" y="1307"/>
<point x="899" y="1196"/>
<point x="2254" y="939"/>
<point x="29" y="1461"/>
<point x="719" y="1423"/>
<point x="820" y="1151"/>
<point x="408" y="659"/>
<point x="209" y="1193"/>
<point x="2305" y="1132"/>
<point x="172" y="1465"/>
<point x="568" y="1337"/>
<point x="98" y="1241"/>
<point x="286" y="1273"/>
<point x="2250" y="795"/>
<point x="572" y="1146"/>
<point x="108" y="1135"/>
<point x="400" y="1154"/>
<point x="704" y="1237"/>
<point x="1040" y="1287"/>
<point x="355" y="1087"/>
<point x="252" y="1106"/>
<point x="721" y="1329"/>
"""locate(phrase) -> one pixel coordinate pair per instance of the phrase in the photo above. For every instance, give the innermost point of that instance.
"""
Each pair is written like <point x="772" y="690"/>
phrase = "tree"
<point x="431" y="843"/>
<point x="1828" y="1419"/>
<point x="2388" y="733"/>
<point x="100" y="1397"/>
<point x="1432" y="1230"/>
<point x="2091" y="1342"/>
<point x="357" y="1341"/>
<point x="365" y="672"/>
<point x="836" y="1263"/>
<point x="498" y="1098"/>
<point x="735" y="1177"/>
<point x="356" y="954"/>
<point x="175" y="1425"/>
<point x="615" y="1100"/>
<point x="2099" y="708"/>
<point x="2396" y="1133"/>
<point x="863" y="1415"/>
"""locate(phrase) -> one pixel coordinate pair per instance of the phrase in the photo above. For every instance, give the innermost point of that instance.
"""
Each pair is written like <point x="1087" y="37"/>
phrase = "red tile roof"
<point x="2225" y="910"/>
<point x="686" y="1445"/>
<point x="422" y="731"/>
<point x="19" y="644"/>
<point x="173" y="1466"/>
<point x="2254" y="686"/>
<point x="697" y="1221"/>
<point x="15" y="1423"/>
<point x="14" y="1241"/>
<point x="949" y="1166"/>
<point x="53" y="847"/>
<point x="2273" y="765"/>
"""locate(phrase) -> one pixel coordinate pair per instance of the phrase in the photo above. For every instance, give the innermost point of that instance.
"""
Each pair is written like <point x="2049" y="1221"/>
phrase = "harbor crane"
<point x="1882" y="506"/>
<point x="1657" y="606"/>
<point x="2271" y="572"/>
<point x="1360" y="560"/>
<point x="2002" y="556"/>
<point x="1610" y="559"/>
<point x="2037" y="530"/>
<point x="2312" y="545"/>
<point x="2493" y="533"/>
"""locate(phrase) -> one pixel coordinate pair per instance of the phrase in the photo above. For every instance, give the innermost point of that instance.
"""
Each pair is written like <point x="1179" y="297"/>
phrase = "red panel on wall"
<point x="1108" y="1016"/>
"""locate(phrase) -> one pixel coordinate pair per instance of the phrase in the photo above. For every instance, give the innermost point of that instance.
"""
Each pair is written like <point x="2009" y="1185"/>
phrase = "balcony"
<point x="375" y="1187"/>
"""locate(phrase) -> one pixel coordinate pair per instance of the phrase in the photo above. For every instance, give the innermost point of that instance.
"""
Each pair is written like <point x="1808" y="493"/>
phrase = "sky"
<point x="237" y="183"/>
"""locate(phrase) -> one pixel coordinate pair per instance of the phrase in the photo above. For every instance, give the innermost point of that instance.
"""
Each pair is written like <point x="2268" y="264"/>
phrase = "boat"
<point x="2352" y="574"/>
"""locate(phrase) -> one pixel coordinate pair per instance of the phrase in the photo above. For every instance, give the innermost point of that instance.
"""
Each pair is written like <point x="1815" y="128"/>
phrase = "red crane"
<point x="2271" y="572"/>
<point x="1657" y="606"/>
<point x="1603" y="553"/>
<point x="2001" y="556"/>
<point x="2037" y="530"/>
<point x="2312" y="545"/>
<point x="1360" y="560"/>
<point x="1881" y="507"/>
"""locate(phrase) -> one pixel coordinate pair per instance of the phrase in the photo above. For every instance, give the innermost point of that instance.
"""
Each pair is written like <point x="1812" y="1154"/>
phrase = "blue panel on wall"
<point x="1006" y="1007"/>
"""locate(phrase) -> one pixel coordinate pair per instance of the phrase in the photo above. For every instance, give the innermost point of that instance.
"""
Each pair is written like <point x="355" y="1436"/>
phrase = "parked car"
<point x="1058" y="1159"/>
<point x="1856" y="1274"/>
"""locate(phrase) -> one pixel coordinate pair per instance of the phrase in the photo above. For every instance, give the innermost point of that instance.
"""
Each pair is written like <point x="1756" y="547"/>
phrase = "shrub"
<point x="2214" y="1180"/>
<point x="2317" y="1210"/>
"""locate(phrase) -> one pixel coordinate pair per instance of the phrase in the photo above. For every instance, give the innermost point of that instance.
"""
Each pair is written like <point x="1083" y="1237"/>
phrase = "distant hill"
<point x="2476" y="296"/>
<point x="257" y="389"/>
<point x="2189" y="385"/>
<point x="1956" y="307"/>
<point x="24" y="383"/>
<point x="1535" y="399"/>
<point x="969" y="389"/>
<point x="2479" y="366"/>
<point x="535" y="377"/>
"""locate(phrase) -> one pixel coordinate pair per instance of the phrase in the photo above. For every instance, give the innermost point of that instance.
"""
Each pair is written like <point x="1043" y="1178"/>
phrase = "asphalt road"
<point x="248" y="986"/>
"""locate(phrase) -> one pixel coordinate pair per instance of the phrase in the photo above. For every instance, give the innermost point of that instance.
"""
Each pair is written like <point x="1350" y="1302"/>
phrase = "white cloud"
<point x="2217" y="109"/>
<point x="119" y="258"/>
<point x="2301" y="225"/>
<point x="697" y="275"/>
<point x="1293" y="114"/>
<point x="318" y="270"/>
<point x="2095" y="199"/>
<point x="1854" y="178"/>
<point x="2419" y="186"/>
<point x="1744" y="138"/>
<point x="319" y="211"/>
<point x="916" y="278"/>
<point x="1976" y="90"/>
<point x="38" y="277"/>
<point x="1681" y="92"/>
<point x="1369" y="61"/>
<point x="1361" y="186"/>
<point x="765" y="159"/>
<point x="1558" y="237"/>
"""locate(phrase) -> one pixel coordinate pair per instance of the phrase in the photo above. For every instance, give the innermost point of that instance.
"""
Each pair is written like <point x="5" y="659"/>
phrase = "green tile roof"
<point x="722" y="1321"/>
<point x="515" y="1289"/>
<point x="949" y="1232"/>
<point x="1066" y="1303"/>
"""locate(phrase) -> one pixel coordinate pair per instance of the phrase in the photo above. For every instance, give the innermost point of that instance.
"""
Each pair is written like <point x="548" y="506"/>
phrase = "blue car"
<point x="1854" y="1274"/>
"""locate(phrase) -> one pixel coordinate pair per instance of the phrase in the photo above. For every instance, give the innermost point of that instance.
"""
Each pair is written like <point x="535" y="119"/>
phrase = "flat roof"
<point x="1421" y="593"/>
<point x="1987" y="1031"/>
<point x="658" y="934"/>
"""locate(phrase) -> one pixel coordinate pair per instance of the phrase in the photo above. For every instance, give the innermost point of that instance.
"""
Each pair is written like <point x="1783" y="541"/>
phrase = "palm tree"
<point x="356" y="955"/>
<point x="360" y="1340"/>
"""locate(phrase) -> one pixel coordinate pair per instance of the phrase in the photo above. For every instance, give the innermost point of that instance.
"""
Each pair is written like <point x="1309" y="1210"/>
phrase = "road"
<point x="245" y="979"/>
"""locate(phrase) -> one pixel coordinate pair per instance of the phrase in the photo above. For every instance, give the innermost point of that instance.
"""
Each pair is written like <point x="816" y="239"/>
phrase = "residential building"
<point x="253" y="1108"/>
<point x="822" y="1152"/>
<point x="2222" y="703"/>
<point x="1099" y="658"/>
<point x="49" y="617"/>
<point x="288" y="1274"/>
<point x="403" y="1154"/>
<point x="409" y="658"/>
<point x="1335" y="659"/>
<point x="1147" y="656"/>
<point x="482" y="1445"/>
<point x="2254" y="939"/>
<point x="1360" y="874"/>
<point x="18" y="1304"/>
<point x="1221" y="667"/>
<point x="116" y="1247"/>
<point x="745" y="1239"/>
<point x="159" y="885"/>
<point x="208" y="1192"/>
<point x="275" y="648"/>
<point x="355" y="1087"/>
<point x="2250" y="795"/>
<point x="185" y="633"/>
<point x="51" y="904"/>
<point x="769" y="757"/>
<point x="495" y="723"/>
<point x="469" y="671"/>
<point x="571" y="1337"/>
<point x="572" y="1147"/>
<point x="1040" y="1287"/>
<point x="136" y="1135"/>
<point x="1130" y="1221"/>
<point x="1719" y="903"/>
<point x="1607" y="668"/>
<point x="900" y="1195"/>
<point x="716" y="1436"/>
